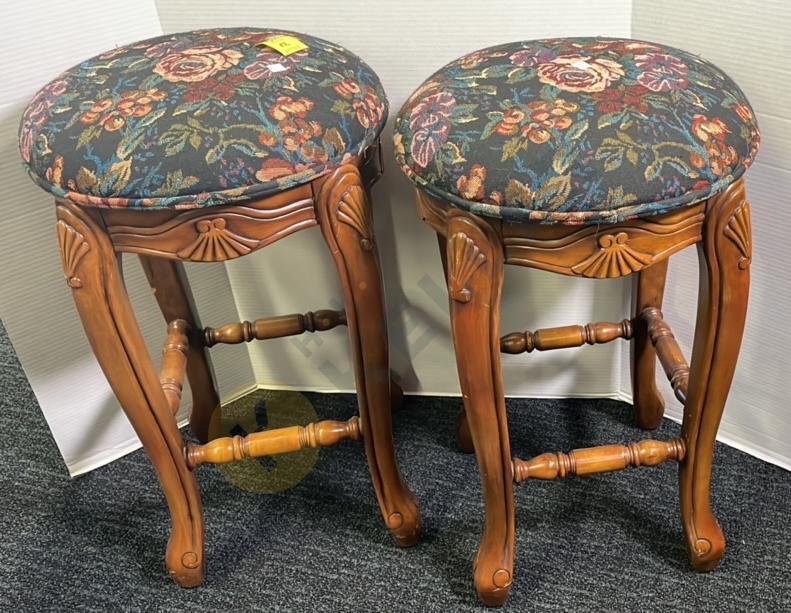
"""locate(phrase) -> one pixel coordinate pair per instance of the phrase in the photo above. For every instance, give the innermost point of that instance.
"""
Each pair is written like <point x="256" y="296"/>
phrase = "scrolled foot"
<point x="707" y="547"/>
<point x="493" y="584"/>
<point x="185" y="567"/>
<point x="405" y="525"/>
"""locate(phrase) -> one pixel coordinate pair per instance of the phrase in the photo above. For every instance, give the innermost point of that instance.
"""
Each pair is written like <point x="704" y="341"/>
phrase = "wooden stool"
<point x="204" y="147"/>
<point x="594" y="158"/>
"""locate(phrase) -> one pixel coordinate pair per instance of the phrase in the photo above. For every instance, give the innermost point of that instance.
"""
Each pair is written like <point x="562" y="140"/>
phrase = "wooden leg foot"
<point x="725" y="254"/>
<point x="93" y="273"/>
<point x="492" y="584"/>
<point x="345" y="218"/>
<point x="475" y="274"/>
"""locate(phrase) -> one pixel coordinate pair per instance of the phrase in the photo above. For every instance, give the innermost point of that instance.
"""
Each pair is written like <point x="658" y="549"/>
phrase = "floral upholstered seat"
<point x="200" y="119"/>
<point x="579" y="130"/>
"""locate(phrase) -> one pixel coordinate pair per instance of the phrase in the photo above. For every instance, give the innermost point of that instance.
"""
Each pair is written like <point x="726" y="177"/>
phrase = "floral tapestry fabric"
<point x="200" y="119"/>
<point x="576" y="131"/>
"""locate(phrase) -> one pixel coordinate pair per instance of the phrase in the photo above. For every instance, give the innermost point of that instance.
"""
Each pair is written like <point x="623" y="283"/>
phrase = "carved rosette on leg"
<point x="92" y="272"/>
<point x="345" y="217"/>
<point x="475" y="273"/>
<point x="725" y="254"/>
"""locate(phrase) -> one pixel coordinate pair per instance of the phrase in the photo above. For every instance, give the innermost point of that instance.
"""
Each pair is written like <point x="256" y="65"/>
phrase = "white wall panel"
<point x="405" y="42"/>
<point x="43" y="39"/>
<point x="751" y="41"/>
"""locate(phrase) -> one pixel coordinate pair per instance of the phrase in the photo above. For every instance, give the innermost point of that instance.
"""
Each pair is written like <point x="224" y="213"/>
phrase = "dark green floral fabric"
<point x="576" y="131"/>
<point x="200" y="119"/>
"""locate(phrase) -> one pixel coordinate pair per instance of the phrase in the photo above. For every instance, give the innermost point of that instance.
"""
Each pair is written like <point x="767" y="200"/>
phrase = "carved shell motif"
<point x="354" y="212"/>
<point x="465" y="258"/>
<point x="614" y="258"/>
<point x="215" y="242"/>
<point x="73" y="248"/>
<point x="739" y="231"/>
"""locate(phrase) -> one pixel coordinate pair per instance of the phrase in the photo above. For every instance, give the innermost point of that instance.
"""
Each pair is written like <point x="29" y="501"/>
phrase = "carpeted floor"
<point x="606" y="543"/>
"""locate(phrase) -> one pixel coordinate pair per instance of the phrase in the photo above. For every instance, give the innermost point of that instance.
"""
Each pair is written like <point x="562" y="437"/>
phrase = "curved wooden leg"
<point x="463" y="436"/>
<point x="396" y="392"/>
<point x="648" y="403"/>
<point x="345" y="218"/>
<point x="171" y="289"/>
<point x="722" y="304"/>
<point x="475" y="277"/>
<point x="93" y="273"/>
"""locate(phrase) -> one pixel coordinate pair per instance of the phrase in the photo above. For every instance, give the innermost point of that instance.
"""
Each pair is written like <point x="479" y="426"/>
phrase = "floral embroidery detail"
<point x="471" y="187"/>
<point x="200" y="119"/>
<point x="617" y="99"/>
<point x="222" y="90"/>
<point x="545" y="117"/>
<point x="527" y="58"/>
<point x="269" y="63"/>
<point x="429" y="119"/>
<point x="518" y="194"/>
<point x="112" y="114"/>
<point x="473" y="59"/>
<point x="712" y="132"/>
<point x="661" y="72"/>
<point x="576" y="131"/>
<point x="37" y="114"/>
<point x="347" y="88"/>
<point x="368" y="109"/>
<point x="285" y="106"/>
<point x="274" y="169"/>
<point x="577" y="73"/>
<point x="197" y="63"/>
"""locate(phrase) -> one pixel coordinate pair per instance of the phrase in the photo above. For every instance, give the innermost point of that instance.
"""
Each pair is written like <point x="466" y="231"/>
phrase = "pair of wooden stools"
<point x="595" y="158"/>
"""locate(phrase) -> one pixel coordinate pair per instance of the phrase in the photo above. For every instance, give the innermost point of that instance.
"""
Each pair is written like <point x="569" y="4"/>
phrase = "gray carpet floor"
<point x="606" y="543"/>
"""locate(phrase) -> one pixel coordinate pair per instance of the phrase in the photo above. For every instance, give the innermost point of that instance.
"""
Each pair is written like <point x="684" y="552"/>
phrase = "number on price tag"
<point x="286" y="45"/>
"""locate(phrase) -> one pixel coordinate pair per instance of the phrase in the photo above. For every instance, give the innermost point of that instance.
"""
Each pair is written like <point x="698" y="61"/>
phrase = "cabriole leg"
<point x="463" y="437"/>
<point x="171" y="289"/>
<point x="725" y="254"/>
<point x="475" y="276"/>
<point x="648" y="403"/>
<point x="345" y="218"/>
<point x="92" y="271"/>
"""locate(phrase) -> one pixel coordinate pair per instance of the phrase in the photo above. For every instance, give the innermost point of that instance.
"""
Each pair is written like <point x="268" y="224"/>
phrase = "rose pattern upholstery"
<point x="200" y="119"/>
<point x="576" y="131"/>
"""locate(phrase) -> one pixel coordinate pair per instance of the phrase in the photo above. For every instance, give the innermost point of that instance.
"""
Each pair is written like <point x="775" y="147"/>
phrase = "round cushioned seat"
<point x="578" y="130"/>
<point x="200" y="119"/>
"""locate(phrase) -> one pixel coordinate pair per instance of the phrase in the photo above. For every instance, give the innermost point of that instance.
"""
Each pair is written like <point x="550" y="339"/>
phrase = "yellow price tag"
<point x="286" y="45"/>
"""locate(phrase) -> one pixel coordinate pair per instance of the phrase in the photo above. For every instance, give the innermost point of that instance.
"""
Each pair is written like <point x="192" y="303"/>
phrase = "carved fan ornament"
<point x="73" y="247"/>
<point x="465" y="258"/>
<point x="215" y="242"/>
<point x="614" y="258"/>
<point x="352" y="211"/>
<point x="739" y="231"/>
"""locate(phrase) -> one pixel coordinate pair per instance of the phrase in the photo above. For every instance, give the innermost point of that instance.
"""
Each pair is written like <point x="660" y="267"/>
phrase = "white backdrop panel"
<point x="405" y="42"/>
<point x="45" y="38"/>
<point x="749" y="40"/>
